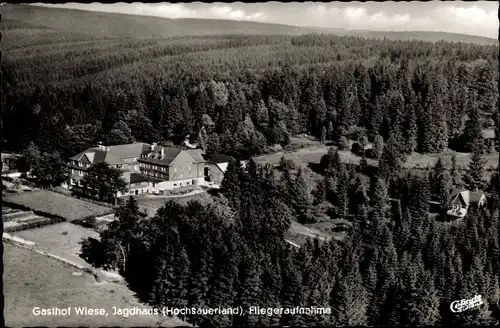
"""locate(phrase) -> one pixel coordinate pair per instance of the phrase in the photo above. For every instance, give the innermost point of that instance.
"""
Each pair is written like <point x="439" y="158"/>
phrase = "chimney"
<point x="162" y="153"/>
<point x="153" y="145"/>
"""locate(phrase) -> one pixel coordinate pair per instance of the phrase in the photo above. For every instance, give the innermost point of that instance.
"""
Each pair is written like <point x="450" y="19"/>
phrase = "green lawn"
<point x="314" y="152"/>
<point x="311" y="154"/>
<point x="417" y="160"/>
<point x="62" y="239"/>
<point x="152" y="204"/>
<point x="53" y="203"/>
<point x="34" y="280"/>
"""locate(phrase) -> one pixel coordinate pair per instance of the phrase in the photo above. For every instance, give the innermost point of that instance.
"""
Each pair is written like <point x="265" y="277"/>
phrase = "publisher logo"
<point x="465" y="304"/>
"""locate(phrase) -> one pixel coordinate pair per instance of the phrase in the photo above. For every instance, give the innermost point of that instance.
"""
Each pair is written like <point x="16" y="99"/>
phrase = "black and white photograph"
<point x="273" y="164"/>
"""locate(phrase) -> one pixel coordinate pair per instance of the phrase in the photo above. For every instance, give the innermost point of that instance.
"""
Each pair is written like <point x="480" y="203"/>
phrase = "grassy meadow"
<point x="34" y="280"/>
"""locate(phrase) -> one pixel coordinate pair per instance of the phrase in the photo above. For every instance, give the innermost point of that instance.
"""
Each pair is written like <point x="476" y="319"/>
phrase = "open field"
<point x="55" y="204"/>
<point x="313" y="154"/>
<point x="60" y="239"/>
<point x="152" y="204"/>
<point x="34" y="280"/>
<point x="423" y="160"/>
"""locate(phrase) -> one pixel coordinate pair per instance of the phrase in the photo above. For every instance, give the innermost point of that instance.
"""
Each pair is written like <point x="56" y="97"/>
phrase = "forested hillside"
<point x="111" y="25"/>
<point x="66" y="91"/>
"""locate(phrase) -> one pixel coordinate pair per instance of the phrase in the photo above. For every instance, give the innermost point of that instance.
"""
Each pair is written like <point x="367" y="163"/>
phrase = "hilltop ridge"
<point x="116" y="25"/>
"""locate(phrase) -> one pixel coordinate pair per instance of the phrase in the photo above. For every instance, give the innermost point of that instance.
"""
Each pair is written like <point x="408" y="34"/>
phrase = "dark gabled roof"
<point x="469" y="197"/>
<point x="475" y="196"/>
<point x="219" y="158"/>
<point x="129" y="150"/>
<point x="196" y="155"/>
<point x="169" y="154"/>
<point x="96" y="155"/>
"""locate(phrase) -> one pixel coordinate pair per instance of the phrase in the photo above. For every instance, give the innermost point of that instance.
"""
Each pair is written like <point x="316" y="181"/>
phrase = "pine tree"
<point x="378" y="146"/>
<point x="440" y="182"/>
<point x="359" y="196"/>
<point x="331" y="163"/>
<point x="421" y="302"/>
<point x="329" y="131"/>
<point x="472" y="132"/>
<point x="302" y="195"/>
<point x="411" y="132"/>
<point x="323" y="135"/>
<point x="203" y="138"/>
<point x="379" y="198"/>
<point x="230" y="185"/>
<point x="391" y="161"/>
<point x="349" y="299"/>
<point x="213" y="144"/>
<point x="474" y="177"/>
<point x="292" y="292"/>
<point x="342" y="196"/>
<point x="250" y="288"/>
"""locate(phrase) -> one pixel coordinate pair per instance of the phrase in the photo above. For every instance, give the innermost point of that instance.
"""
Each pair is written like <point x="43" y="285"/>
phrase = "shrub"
<point x="342" y="143"/>
<point x="356" y="149"/>
<point x="371" y="153"/>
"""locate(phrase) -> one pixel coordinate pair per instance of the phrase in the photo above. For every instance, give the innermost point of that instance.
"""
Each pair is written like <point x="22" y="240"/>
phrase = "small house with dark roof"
<point x="461" y="200"/>
<point x="216" y="167"/>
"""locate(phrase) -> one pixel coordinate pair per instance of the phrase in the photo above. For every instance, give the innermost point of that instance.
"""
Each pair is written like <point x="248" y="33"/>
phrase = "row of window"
<point x="155" y="174"/>
<point x="154" y="167"/>
<point x="80" y="164"/>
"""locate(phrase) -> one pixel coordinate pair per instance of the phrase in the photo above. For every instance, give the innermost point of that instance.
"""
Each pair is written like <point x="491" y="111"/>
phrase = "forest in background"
<point x="65" y="96"/>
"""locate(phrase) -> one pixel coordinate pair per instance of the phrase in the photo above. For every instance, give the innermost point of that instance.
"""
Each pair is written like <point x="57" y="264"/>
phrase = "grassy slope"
<point x="62" y="239"/>
<point x="312" y="152"/>
<point x="110" y="25"/>
<point x="32" y="279"/>
<point x="54" y="203"/>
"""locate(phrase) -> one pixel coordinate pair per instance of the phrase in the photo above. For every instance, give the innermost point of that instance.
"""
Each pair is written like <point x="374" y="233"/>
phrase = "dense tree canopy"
<point x="394" y="267"/>
<point x="248" y="92"/>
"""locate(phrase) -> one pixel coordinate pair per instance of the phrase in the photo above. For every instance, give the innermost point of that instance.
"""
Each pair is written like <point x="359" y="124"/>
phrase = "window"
<point x="154" y="184"/>
<point x="73" y="181"/>
<point x="72" y="171"/>
<point x="175" y="184"/>
<point x="80" y="173"/>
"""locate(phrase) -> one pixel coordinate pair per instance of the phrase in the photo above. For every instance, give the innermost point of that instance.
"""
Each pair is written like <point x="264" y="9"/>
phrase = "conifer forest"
<point x="399" y="260"/>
